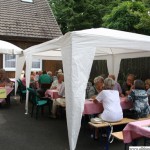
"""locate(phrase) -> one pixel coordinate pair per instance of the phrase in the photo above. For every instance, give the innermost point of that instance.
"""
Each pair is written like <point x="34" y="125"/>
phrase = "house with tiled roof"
<point x="26" y="23"/>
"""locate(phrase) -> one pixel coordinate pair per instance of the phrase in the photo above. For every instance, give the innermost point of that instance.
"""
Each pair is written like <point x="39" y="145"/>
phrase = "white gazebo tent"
<point x="9" y="48"/>
<point x="79" y="49"/>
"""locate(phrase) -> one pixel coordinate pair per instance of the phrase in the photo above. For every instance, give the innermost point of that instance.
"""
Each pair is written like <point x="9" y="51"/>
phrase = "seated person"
<point x="116" y="85"/>
<point x="111" y="102"/>
<point x="147" y="87"/>
<point x="59" y="101"/>
<point x="139" y="98"/>
<point x="32" y="76"/>
<point x="57" y="83"/>
<point x="98" y="87"/>
<point x="43" y="79"/>
<point x="128" y="84"/>
<point x="4" y="81"/>
<point x="50" y="74"/>
<point x="88" y="87"/>
<point x="24" y="80"/>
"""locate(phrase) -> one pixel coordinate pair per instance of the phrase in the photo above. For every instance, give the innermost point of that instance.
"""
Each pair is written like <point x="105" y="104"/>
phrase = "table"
<point x="8" y="90"/>
<point x="92" y="108"/>
<point x="136" y="130"/>
<point x="52" y="93"/>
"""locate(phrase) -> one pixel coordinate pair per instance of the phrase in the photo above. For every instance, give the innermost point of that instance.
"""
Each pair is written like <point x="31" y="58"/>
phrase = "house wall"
<point x="52" y="65"/>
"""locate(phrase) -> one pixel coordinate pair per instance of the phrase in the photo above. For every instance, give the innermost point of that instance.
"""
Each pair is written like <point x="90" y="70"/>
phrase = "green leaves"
<point x="116" y="14"/>
<point x="126" y="16"/>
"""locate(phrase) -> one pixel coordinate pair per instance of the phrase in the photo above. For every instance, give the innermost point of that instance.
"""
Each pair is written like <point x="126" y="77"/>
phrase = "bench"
<point x="118" y="135"/>
<point x="123" y="121"/>
<point x="106" y="124"/>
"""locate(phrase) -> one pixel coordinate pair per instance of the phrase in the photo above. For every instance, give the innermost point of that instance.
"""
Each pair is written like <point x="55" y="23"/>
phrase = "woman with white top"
<point x="111" y="102"/>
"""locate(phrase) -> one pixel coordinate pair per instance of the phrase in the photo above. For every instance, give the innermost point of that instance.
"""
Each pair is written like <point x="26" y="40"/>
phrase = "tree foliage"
<point x="124" y="15"/>
<point x="79" y="14"/>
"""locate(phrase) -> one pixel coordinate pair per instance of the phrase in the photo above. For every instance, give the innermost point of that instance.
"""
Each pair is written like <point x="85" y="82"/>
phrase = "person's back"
<point x="111" y="103"/>
<point x="140" y="102"/>
<point x="45" y="78"/>
<point x="139" y="98"/>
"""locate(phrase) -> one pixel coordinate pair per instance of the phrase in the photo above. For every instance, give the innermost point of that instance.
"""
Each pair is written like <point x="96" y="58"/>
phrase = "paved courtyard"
<point x="21" y="132"/>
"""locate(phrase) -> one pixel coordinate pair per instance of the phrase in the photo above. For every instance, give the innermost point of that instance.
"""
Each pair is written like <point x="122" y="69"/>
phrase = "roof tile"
<point x="34" y="20"/>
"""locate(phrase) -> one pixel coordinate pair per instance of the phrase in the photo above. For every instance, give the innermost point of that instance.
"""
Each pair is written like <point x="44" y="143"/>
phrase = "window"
<point x="29" y="1"/>
<point x="36" y="65"/>
<point x="9" y="63"/>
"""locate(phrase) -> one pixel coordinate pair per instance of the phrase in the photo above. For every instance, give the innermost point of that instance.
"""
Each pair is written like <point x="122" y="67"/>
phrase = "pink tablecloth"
<point x="135" y="130"/>
<point x="8" y="90"/>
<point x="52" y="93"/>
<point x="125" y="104"/>
<point x="92" y="108"/>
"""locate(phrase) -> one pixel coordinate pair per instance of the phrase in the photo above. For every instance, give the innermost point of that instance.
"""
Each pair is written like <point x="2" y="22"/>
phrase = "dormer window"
<point x="29" y="1"/>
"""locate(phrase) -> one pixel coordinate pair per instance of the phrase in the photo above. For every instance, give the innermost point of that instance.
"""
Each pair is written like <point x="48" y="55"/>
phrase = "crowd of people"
<point x="42" y="81"/>
<point x="108" y="92"/>
<point x="104" y="90"/>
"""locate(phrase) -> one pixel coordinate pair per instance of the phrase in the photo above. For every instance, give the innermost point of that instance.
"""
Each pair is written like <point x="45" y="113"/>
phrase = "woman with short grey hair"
<point x="109" y="83"/>
<point x="111" y="102"/>
<point x="98" y="87"/>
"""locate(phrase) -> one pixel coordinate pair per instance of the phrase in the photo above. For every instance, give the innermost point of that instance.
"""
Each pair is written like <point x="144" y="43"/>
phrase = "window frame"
<point x="4" y="63"/>
<point x="14" y="69"/>
<point x="37" y="69"/>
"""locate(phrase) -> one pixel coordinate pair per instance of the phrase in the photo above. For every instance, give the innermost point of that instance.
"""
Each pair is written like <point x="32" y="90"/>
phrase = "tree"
<point x="128" y="16"/>
<point x="79" y="14"/>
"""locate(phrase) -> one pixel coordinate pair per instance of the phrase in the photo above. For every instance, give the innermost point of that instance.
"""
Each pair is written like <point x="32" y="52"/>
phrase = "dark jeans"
<point x="127" y="113"/>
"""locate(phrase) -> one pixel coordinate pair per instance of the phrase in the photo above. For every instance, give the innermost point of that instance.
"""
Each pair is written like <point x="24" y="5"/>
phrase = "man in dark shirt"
<point x="128" y="84"/>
